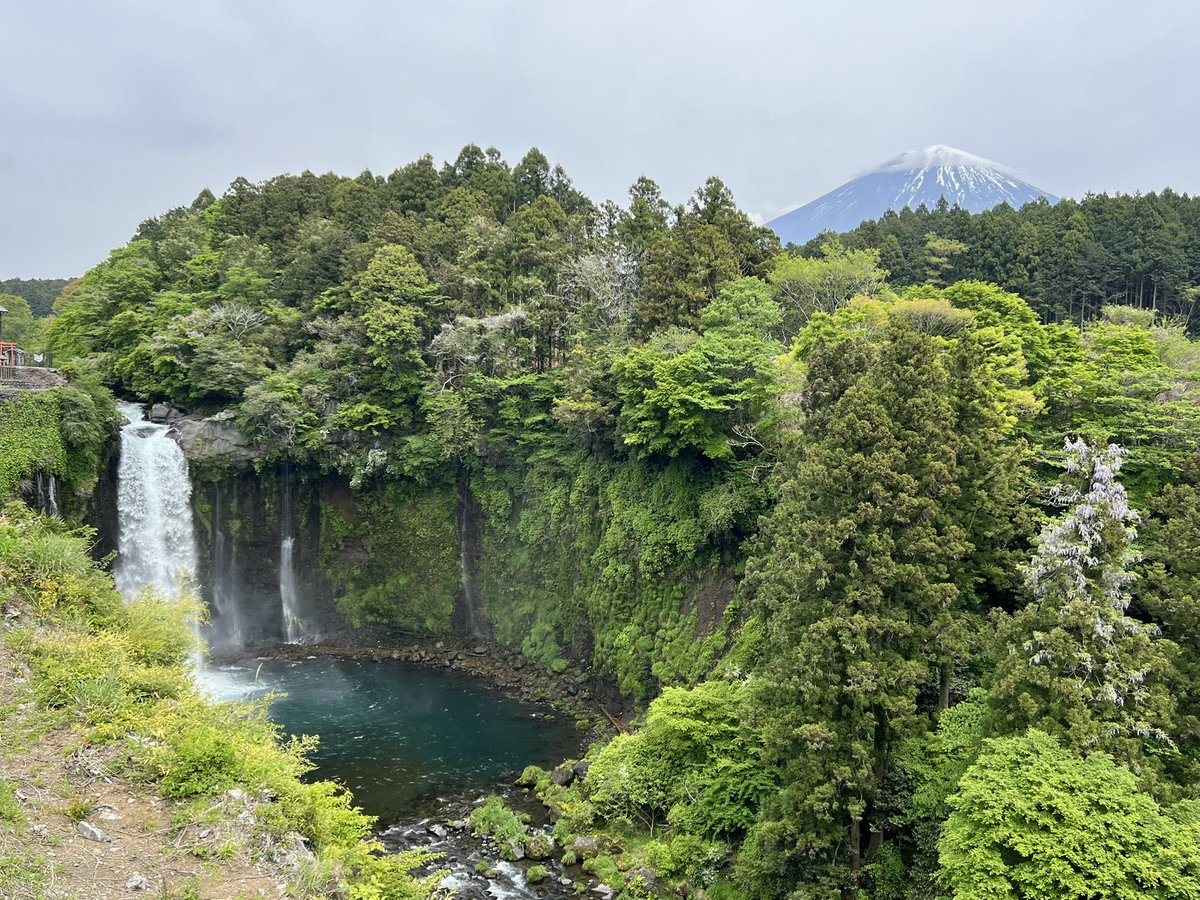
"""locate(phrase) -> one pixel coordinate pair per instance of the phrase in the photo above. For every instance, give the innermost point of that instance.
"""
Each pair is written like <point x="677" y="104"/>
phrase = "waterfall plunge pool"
<point x="398" y="735"/>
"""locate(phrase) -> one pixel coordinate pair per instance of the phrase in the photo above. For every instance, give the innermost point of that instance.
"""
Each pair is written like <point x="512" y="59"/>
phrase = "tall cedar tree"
<point x="989" y="505"/>
<point x="855" y="566"/>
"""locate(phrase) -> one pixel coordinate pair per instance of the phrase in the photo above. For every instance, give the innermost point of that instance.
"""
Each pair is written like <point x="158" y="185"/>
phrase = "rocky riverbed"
<point x="474" y="867"/>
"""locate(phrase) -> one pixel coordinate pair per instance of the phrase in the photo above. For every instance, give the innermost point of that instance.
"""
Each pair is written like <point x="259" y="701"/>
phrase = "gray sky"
<point x="116" y="111"/>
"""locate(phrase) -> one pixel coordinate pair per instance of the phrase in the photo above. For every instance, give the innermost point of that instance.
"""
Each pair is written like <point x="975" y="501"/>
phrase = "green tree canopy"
<point x="1031" y="819"/>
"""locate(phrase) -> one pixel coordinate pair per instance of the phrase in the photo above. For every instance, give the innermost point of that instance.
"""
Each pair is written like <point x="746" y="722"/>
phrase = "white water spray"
<point x="156" y="543"/>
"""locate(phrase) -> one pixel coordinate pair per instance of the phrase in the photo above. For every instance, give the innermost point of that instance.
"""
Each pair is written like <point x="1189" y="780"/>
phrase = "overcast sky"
<point x="115" y="111"/>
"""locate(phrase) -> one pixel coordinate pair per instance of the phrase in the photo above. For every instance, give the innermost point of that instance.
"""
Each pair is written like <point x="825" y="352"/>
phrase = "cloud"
<point x="125" y="109"/>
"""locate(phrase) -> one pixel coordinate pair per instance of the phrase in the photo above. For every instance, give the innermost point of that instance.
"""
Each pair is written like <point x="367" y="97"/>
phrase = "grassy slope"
<point x="102" y="723"/>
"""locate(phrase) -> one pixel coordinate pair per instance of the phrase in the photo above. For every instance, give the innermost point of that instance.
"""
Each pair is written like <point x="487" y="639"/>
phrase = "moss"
<point x="393" y="556"/>
<point x="31" y="439"/>
<point x="61" y="432"/>
<point x="493" y="818"/>
<point x="614" y="564"/>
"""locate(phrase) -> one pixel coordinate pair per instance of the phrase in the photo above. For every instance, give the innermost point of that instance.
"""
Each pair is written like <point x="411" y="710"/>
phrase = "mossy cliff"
<point x="65" y="433"/>
<point x="574" y="560"/>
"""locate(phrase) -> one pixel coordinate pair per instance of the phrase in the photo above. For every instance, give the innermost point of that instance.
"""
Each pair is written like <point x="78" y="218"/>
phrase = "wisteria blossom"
<point x="1080" y="577"/>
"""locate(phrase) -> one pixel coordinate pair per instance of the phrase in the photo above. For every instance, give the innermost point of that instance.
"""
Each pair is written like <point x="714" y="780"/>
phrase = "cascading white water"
<point x="226" y="632"/>
<point x="156" y="544"/>
<point x="294" y="627"/>
<point x="45" y="501"/>
<point x="468" y="580"/>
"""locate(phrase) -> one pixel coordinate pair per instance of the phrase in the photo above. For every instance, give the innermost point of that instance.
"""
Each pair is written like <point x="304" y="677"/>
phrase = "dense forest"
<point x="1068" y="261"/>
<point x="39" y="293"/>
<point x="890" y="538"/>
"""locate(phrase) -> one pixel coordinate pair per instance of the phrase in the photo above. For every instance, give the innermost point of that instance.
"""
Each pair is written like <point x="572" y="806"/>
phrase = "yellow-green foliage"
<point x="45" y="563"/>
<point x="693" y="764"/>
<point x="493" y="818"/>
<point x="119" y="671"/>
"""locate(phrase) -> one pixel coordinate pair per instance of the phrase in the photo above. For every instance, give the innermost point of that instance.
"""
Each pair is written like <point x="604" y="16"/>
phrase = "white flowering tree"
<point x="1076" y="663"/>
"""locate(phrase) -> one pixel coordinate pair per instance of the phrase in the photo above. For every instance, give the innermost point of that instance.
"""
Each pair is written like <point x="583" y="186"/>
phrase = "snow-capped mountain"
<point x="912" y="178"/>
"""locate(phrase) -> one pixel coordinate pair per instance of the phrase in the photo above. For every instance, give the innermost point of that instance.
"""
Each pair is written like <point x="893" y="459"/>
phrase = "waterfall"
<point x="468" y="581"/>
<point x="289" y="597"/>
<point x="156" y="546"/>
<point x="45" y="502"/>
<point x="226" y="631"/>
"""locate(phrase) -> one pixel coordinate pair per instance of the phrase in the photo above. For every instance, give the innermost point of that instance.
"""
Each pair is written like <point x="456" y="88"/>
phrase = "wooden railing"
<point x="9" y="357"/>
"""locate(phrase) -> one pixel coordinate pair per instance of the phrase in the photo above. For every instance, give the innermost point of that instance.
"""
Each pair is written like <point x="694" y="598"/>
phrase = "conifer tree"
<point x="854" y="566"/>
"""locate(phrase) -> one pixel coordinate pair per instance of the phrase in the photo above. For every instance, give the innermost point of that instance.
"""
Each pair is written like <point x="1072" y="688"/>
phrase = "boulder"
<point x="562" y="776"/>
<point x="90" y="832"/>
<point x="581" y="769"/>
<point x="539" y="845"/>
<point x="513" y="850"/>
<point x="648" y="876"/>
<point x="585" y="847"/>
<point x="158" y="412"/>
<point x="215" y="439"/>
<point x="137" y="882"/>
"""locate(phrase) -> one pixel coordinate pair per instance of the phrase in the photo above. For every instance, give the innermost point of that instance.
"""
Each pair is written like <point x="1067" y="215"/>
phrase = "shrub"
<point x="692" y="764"/>
<point x="493" y="818"/>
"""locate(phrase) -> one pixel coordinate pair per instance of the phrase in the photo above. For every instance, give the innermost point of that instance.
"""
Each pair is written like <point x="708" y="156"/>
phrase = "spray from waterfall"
<point x="156" y="545"/>
<point x="289" y="597"/>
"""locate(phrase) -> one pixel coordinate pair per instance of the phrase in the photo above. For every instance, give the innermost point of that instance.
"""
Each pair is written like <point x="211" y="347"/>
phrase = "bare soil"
<point x="61" y="780"/>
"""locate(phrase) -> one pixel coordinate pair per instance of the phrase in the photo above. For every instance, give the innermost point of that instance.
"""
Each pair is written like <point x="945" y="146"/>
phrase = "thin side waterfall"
<point x="468" y="580"/>
<point x="45" y="502"/>
<point x="226" y="631"/>
<point x="294" y="627"/>
<point x="156" y="544"/>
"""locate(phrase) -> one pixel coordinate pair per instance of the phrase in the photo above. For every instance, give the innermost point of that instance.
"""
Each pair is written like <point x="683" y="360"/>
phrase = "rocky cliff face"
<point x="212" y="441"/>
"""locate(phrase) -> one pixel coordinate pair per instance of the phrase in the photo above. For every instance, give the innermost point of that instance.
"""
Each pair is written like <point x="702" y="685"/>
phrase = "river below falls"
<point x="416" y="746"/>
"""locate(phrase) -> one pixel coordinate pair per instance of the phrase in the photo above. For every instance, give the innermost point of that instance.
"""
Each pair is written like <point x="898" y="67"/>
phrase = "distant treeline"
<point x="1068" y="261"/>
<point x="40" y="292"/>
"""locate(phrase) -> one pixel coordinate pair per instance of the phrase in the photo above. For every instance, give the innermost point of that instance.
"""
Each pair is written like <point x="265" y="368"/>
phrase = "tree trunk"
<point x="944" y="696"/>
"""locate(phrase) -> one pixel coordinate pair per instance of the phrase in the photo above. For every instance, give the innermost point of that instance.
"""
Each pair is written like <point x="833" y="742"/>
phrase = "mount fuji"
<point x="912" y="178"/>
